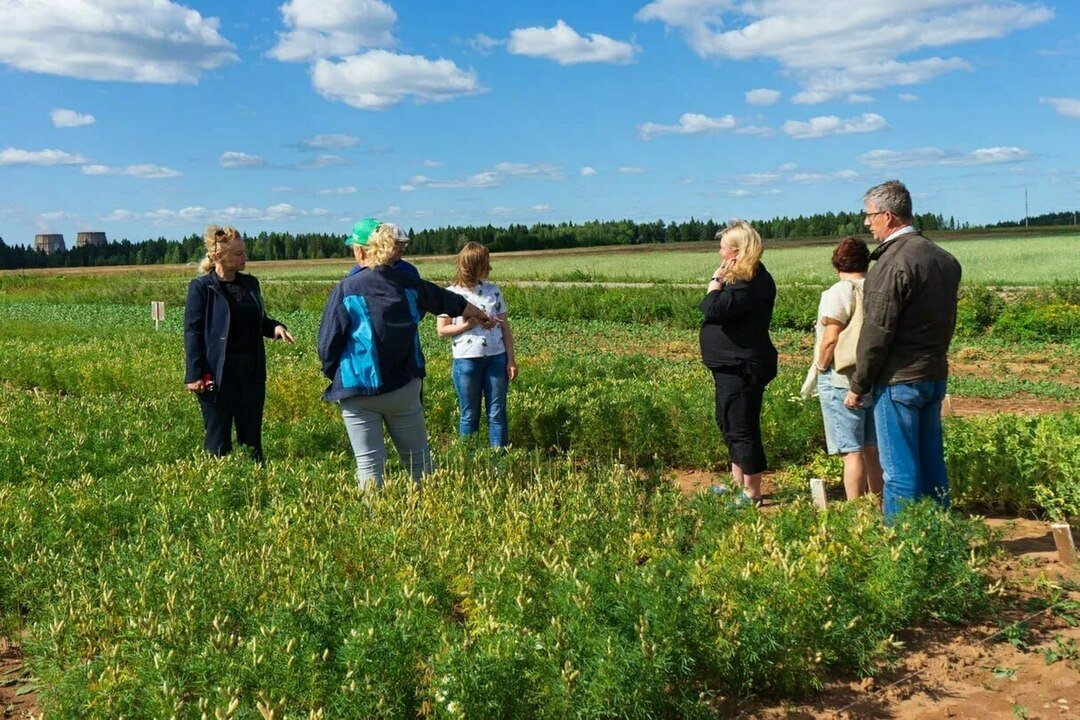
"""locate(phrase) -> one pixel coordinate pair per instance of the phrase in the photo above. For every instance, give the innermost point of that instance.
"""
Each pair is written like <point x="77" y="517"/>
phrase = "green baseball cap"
<point x="361" y="231"/>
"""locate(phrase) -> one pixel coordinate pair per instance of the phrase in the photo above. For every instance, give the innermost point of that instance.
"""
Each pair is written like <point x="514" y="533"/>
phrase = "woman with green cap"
<point x="369" y="345"/>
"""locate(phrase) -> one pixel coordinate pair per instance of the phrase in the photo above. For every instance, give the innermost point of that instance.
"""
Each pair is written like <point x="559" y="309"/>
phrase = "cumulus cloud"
<point x="833" y="125"/>
<point x="64" y="118"/>
<point x="139" y="171"/>
<point x="806" y="178"/>
<point x="631" y="170"/>
<point x="762" y="96"/>
<point x="484" y="44"/>
<point x="859" y="99"/>
<point x="337" y="141"/>
<point x="587" y="171"/>
<point x="492" y="177"/>
<point x="118" y="40"/>
<point x="432" y="164"/>
<point x="379" y="79"/>
<point x="15" y="156"/>
<point x="908" y="97"/>
<point x="695" y="123"/>
<point x="233" y="159"/>
<point x="836" y="47"/>
<point x="565" y="46"/>
<point x="921" y="157"/>
<point x="120" y="215"/>
<point x="319" y="162"/>
<point x="332" y="28"/>
<point x="346" y="190"/>
<point x="1069" y="107"/>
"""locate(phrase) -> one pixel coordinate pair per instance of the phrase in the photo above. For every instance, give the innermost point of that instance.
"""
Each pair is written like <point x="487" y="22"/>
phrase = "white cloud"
<point x="234" y="159"/>
<point x="587" y="171"/>
<point x="483" y="43"/>
<point x="908" y="97"/>
<point x="346" y="190"/>
<point x="565" y="46"/>
<point x="14" y="156"/>
<point x="139" y="171"/>
<point x="858" y="99"/>
<point x="62" y="117"/>
<point x="837" y="47"/>
<point x="332" y="28"/>
<point x="196" y="212"/>
<point x="432" y="164"/>
<point x="379" y="79"/>
<point x="543" y="207"/>
<point x="921" y="157"/>
<point x="832" y="125"/>
<point x="122" y="40"/>
<point x="1069" y="107"/>
<point x="329" y="142"/>
<point x="807" y="178"/>
<point x="694" y="123"/>
<point x="120" y="215"/>
<point x="743" y="193"/>
<point x="320" y="162"/>
<point x="491" y="177"/>
<point x="762" y="96"/>
<point x="631" y="170"/>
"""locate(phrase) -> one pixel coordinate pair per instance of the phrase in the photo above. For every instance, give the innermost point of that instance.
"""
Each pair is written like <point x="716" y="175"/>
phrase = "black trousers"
<point x="738" y="413"/>
<point x="238" y="400"/>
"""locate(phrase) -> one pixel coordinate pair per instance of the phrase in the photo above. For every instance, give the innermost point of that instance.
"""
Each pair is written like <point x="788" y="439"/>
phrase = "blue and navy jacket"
<point x="206" y="326"/>
<point x="369" y="338"/>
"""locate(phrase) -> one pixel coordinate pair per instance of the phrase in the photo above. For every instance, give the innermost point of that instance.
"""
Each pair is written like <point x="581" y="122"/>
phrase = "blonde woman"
<point x="483" y="357"/>
<point x="225" y="322"/>
<point x="369" y="345"/>
<point x="736" y="347"/>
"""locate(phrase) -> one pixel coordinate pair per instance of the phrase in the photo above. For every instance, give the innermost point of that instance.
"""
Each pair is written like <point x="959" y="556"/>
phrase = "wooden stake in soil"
<point x="157" y="313"/>
<point x="1064" y="540"/>
<point x="817" y="492"/>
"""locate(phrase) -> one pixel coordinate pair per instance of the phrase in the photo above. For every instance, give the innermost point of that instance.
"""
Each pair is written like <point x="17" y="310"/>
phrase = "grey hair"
<point x="891" y="196"/>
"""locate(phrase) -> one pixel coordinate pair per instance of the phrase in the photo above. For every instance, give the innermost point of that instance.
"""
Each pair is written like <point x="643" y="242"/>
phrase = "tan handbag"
<point x="848" y="342"/>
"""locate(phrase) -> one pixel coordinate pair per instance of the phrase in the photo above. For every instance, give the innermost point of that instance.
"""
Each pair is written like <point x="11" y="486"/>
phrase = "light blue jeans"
<point x="403" y="415"/>
<point x="482" y="377"/>
<point x="908" y="420"/>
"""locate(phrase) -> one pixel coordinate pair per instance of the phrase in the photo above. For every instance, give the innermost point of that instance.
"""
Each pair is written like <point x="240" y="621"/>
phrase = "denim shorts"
<point x="846" y="430"/>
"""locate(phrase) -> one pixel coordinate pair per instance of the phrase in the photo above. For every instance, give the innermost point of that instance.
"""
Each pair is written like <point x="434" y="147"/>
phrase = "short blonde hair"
<point x="216" y="239"/>
<point x="742" y="237"/>
<point x="382" y="247"/>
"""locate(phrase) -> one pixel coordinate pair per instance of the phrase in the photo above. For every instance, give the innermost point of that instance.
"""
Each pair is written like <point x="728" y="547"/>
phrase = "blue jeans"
<point x="908" y="419"/>
<point x="482" y="377"/>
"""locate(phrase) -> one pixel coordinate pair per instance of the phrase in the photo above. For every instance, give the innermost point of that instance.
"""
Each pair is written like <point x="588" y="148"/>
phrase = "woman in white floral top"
<point x="483" y="358"/>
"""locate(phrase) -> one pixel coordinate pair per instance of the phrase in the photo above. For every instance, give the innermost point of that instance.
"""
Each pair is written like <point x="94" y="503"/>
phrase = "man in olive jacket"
<point x="909" y="301"/>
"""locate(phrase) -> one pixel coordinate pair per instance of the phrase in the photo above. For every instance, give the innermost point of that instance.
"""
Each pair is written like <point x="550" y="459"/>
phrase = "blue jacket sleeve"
<point x="195" y="363"/>
<point x="436" y="300"/>
<point x="333" y="332"/>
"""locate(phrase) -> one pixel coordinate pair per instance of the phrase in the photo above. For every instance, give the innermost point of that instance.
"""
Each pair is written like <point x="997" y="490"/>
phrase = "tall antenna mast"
<point x="1025" y="207"/>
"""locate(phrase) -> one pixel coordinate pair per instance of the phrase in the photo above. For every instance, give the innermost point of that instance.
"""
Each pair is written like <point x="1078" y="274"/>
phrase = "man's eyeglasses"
<point x="867" y="216"/>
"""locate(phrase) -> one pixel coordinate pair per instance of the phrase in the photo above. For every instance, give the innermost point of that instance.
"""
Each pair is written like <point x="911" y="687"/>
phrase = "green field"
<point x="997" y="261"/>
<point x="567" y="578"/>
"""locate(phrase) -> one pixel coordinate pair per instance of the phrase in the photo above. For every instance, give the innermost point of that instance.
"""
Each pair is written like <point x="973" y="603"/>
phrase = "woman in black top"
<point x="735" y="345"/>
<point x="224" y="324"/>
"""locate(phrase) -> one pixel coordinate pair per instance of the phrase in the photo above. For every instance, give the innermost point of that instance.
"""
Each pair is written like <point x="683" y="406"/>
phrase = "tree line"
<point x="447" y="240"/>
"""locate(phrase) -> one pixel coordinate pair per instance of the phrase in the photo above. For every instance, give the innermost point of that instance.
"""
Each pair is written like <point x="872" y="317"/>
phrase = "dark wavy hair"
<point x="851" y="255"/>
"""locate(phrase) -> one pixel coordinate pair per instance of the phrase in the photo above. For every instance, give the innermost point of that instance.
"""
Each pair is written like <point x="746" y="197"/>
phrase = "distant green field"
<point x="996" y="261"/>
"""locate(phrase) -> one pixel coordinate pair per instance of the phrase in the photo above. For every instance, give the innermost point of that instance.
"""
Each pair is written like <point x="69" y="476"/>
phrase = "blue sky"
<point x="148" y="118"/>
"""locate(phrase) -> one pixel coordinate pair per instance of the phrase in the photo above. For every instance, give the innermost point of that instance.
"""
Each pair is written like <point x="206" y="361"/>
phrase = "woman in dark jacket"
<point x="224" y="324"/>
<point x="735" y="345"/>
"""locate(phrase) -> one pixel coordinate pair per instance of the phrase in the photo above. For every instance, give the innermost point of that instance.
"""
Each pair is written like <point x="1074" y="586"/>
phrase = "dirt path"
<point x="14" y="679"/>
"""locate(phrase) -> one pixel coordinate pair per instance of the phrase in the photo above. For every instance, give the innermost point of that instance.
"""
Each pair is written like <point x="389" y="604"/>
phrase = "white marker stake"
<point x="157" y="313"/>
<point x="1064" y="540"/>
<point x="817" y="492"/>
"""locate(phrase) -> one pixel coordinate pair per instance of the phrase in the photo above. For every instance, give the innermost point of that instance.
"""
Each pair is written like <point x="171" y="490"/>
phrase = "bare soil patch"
<point x="968" y="406"/>
<point x="14" y="679"/>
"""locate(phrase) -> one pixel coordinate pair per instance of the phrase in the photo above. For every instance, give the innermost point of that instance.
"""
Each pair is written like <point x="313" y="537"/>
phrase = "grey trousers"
<point x="404" y="417"/>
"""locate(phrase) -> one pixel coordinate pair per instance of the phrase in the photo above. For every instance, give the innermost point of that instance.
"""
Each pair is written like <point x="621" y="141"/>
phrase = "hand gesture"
<point x="281" y="333"/>
<point x="196" y="387"/>
<point x="511" y="371"/>
<point x="851" y="400"/>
